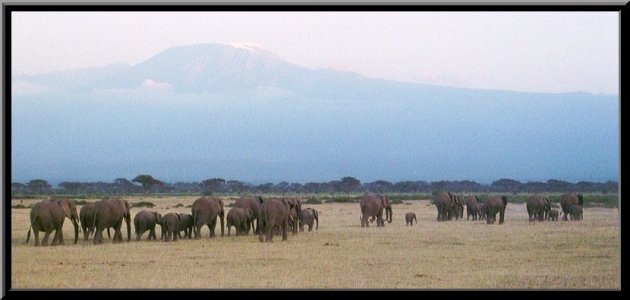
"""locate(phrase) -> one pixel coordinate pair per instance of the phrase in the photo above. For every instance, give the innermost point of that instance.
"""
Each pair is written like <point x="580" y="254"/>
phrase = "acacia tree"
<point x="38" y="186"/>
<point x="147" y="181"/>
<point x="349" y="184"/>
<point x="213" y="184"/>
<point x="71" y="186"/>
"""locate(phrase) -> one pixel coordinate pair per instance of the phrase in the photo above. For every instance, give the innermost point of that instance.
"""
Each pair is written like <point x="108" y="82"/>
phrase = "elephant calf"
<point x="170" y="227"/>
<point x="307" y="216"/>
<point x="146" y="220"/>
<point x="409" y="217"/>
<point x="553" y="215"/>
<point x="240" y="218"/>
<point x="185" y="225"/>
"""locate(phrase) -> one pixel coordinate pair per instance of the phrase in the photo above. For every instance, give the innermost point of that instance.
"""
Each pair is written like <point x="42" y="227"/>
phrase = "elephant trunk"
<point x="389" y="213"/>
<point x="316" y="220"/>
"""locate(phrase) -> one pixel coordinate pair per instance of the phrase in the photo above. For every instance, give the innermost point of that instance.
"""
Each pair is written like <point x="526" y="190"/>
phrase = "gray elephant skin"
<point x="49" y="215"/>
<point x="240" y="218"/>
<point x="308" y="216"/>
<point x="373" y="207"/>
<point x="409" y="217"/>
<point x="170" y="227"/>
<point x="205" y="212"/>
<point x="449" y="205"/>
<point x="186" y="225"/>
<point x="568" y="200"/>
<point x="493" y="206"/>
<point x="575" y="212"/>
<point x="111" y="213"/>
<point x="252" y="203"/>
<point x="473" y="207"/>
<point x="538" y="207"/>
<point x="86" y="215"/>
<point x="273" y="212"/>
<point x="145" y="221"/>
<point x="553" y="215"/>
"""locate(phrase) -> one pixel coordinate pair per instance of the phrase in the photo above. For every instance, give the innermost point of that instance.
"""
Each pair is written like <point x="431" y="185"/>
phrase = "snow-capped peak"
<point x="247" y="46"/>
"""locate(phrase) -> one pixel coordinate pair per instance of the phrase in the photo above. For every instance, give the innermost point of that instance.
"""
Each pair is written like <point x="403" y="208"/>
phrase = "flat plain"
<point x="339" y="255"/>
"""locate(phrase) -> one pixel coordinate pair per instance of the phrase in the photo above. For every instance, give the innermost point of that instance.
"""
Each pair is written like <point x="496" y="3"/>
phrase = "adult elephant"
<point x="86" y="216"/>
<point x="576" y="212"/>
<point x="472" y="207"/>
<point x="273" y="212"/>
<point x="493" y="206"/>
<point x="447" y="206"/>
<point x="373" y="206"/>
<point x="146" y="221"/>
<point x="568" y="200"/>
<point x="538" y="207"/>
<point x="307" y="217"/>
<point x="49" y="215"/>
<point x="205" y="212"/>
<point x="111" y="213"/>
<point x="253" y="204"/>
<point x="296" y="209"/>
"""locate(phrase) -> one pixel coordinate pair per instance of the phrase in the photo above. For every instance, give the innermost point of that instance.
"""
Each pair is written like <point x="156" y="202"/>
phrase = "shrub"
<point x="313" y="200"/>
<point x="143" y="204"/>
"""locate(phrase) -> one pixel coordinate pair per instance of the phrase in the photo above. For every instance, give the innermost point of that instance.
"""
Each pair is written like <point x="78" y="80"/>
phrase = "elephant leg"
<point x="55" y="240"/>
<point x="198" y="231"/>
<point x="310" y="227"/>
<point x="45" y="239"/>
<point x="36" y="236"/>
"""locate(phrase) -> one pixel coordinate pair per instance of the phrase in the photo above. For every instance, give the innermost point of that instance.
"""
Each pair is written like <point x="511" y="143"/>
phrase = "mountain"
<point x="239" y="111"/>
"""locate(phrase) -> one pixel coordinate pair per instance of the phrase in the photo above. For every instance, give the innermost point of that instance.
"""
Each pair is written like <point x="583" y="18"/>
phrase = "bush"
<point x="313" y="200"/>
<point x="143" y="204"/>
<point x="341" y="200"/>
<point x="81" y="202"/>
<point x="178" y="205"/>
<point x="19" y="206"/>
<point x="397" y="201"/>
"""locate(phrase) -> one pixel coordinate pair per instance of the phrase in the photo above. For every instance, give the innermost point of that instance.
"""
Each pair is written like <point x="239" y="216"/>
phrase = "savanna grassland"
<point x="341" y="254"/>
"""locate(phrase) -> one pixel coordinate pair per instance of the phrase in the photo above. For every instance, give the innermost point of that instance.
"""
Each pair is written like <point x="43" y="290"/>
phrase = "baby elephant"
<point x="185" y="225"/>
<point x="553" y="215"/>
<point x="575" y="212"/>
<point x="409" y="217"/>
<point x="170" y="227"/>
<point x="240" y="218"/>
<point x="146" y="221"/>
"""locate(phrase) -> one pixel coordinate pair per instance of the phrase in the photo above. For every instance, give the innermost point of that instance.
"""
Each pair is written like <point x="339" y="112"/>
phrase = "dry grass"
<point x="457" y="254"/>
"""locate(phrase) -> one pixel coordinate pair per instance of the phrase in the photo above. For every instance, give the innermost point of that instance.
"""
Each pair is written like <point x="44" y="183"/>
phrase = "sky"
<point x="520" y="51"/>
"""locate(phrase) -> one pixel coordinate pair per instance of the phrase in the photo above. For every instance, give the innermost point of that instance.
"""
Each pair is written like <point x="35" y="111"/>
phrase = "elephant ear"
<point x="286" y="203"/>
<point x="65" y="206"/>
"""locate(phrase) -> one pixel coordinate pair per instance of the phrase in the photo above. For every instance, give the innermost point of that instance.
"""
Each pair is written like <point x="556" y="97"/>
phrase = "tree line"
<point x="145" y="184"/>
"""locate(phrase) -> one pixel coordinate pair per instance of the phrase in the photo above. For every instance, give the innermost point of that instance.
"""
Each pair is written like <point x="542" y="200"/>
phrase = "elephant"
<point x="566" y="200"/>
<point x="273" y="212"/>
<point x="307" y="216"/>
<point x="49" y="215"/>
<point x="538" y="207"/>
<point x="553" y="215"/>
<point x="296" y="206"/>
<point x="448" y="205"/>
<point x="495" y="205"/>
<point x="575" y="212"/>
<point x="111" y="213"/>
<point x="409" y="217"/>
<point x="186" y="225"/>
<point x="170" y="227"/>
<point x="240" y="218"/>
<point x="373" y="206"/>
<point x="205" y="212"/>
<point x="472" y="207"/>
<point x="252" y="203"/>
<point x="86" y="216"/>
<point x="482" y="211"/>
<point x="146" y="220"/>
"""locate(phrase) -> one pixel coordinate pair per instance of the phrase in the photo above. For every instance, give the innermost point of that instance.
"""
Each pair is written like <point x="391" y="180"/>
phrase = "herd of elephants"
<point x="264" y="217"/>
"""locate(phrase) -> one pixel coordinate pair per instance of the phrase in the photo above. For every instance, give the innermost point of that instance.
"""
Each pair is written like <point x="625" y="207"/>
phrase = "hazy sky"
<point x="522" y="51"/>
